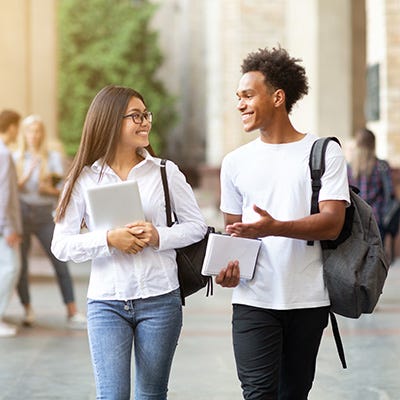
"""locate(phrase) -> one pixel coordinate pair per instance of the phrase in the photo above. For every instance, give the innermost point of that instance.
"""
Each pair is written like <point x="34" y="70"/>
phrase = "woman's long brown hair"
<point x="364" y="158"/>
<point x="100" y="135"/>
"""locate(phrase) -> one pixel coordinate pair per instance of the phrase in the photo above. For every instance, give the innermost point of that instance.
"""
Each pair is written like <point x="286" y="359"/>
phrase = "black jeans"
<point x="276" y="350"/>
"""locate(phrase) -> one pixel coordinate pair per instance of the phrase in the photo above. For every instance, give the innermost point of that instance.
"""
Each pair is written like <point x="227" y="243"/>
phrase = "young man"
<point x="278" y="316"/>
<point x="10" y="218"/>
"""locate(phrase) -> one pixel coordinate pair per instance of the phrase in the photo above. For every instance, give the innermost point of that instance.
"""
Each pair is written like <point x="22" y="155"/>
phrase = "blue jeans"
<point x="38" y="221"/>
<point x="152" y="326"/>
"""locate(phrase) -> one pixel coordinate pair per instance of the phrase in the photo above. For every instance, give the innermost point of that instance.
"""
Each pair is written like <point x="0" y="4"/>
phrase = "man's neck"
<point x="281" y="131"/>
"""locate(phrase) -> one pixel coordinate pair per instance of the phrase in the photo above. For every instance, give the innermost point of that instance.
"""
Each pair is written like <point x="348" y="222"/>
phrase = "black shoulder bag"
<point x="189" y="258"/>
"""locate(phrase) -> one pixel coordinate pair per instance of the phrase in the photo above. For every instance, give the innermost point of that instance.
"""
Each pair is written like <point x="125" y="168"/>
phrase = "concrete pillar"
<point x="14" y="66"/>
<point x="28" y="62"/>
<point x="319" y="32"/>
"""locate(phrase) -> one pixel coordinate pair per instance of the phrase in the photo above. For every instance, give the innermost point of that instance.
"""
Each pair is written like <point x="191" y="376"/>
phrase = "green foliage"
<point x="103" y="42"/>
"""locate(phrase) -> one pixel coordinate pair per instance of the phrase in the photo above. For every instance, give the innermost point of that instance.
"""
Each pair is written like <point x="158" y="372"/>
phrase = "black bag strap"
<point x="163" y="170"/>
<point x="317" y="169"/>
<point x="338" y="339"/>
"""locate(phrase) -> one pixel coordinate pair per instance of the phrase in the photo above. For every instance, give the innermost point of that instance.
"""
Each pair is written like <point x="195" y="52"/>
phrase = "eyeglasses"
<point x="137" y="117"/>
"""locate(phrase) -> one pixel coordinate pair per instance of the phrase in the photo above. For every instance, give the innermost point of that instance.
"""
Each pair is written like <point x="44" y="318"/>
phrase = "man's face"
<point x="255" y="102"/>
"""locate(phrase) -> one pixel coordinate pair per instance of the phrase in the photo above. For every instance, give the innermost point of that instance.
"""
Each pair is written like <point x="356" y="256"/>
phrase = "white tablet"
<point x="115" y="205"/>
<point x="224" y="248"/>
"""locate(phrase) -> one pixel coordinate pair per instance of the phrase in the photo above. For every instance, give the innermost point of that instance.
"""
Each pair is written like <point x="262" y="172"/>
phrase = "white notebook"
<point x="115" y="205"/>
<point x="224" y="248"/>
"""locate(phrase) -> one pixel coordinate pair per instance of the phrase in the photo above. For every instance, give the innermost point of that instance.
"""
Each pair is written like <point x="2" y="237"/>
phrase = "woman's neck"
<point x="123" y="165"/>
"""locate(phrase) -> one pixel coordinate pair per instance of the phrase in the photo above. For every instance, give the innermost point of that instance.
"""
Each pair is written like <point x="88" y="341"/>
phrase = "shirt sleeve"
<point x="334" y="182"/>
<point x="69" y="243"/>
<point x="192" y="226"/>
<point x="10" y="217"/>
<point x="231" y="198"/>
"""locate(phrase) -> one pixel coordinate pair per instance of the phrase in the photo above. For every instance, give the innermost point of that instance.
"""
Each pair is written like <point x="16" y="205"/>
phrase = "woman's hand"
<point x="126" y="240"/>
<point x="22" y="181"/>
<point x="46" y="187"/>
<point x="145" y="231"/>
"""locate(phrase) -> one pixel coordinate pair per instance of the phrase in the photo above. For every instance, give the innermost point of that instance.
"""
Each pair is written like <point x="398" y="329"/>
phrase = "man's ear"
<point x="279" y="98"/>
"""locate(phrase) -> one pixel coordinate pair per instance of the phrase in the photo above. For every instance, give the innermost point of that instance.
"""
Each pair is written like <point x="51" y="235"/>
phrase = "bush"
<point x="103" y="42"/>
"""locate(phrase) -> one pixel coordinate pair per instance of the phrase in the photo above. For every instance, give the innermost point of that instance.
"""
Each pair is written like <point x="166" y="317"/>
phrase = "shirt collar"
<point x="97" y="165"/>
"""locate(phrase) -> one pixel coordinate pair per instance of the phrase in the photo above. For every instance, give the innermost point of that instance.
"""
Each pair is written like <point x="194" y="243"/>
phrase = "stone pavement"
<point x="49" y="361"/>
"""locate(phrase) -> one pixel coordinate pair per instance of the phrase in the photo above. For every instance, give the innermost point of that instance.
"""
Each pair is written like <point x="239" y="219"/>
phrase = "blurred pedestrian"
<point x="10" y="218"/>
<point x="39" y="176"/>
<point x="372" y="176"/>
<point x="133" y="296"/>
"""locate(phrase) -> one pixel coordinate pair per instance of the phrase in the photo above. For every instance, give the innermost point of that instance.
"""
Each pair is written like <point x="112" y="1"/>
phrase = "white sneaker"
<point x="7" y="330"/>
<point x="77" y="321"/>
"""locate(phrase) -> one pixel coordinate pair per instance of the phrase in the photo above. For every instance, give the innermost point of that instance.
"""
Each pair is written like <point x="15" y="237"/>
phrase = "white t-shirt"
<point x="276" y="177"/>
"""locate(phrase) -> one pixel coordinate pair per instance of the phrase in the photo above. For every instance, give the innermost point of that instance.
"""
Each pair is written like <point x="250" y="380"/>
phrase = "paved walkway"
<point x="51" y="362"/>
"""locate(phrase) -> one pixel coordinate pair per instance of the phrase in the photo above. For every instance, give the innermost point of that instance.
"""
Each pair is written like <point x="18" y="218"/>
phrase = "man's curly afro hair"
<point x="280" y="72"/>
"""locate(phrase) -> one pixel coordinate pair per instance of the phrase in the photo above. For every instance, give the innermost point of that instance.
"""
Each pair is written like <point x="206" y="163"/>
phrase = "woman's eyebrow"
<point x="136" y="109"/>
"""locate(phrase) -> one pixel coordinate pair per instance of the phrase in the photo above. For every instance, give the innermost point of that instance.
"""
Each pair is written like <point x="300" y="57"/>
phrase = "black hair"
<point x="280" y="72"/>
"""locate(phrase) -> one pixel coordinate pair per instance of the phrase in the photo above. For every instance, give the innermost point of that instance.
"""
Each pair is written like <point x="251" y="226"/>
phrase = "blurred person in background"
<point x="40" y="172"/>
<point x="10" y="218"/>
<point x="373" y="177"/>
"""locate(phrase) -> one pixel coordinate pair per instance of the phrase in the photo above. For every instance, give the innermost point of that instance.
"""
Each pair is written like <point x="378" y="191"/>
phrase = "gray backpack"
<point x="354" y="265"/>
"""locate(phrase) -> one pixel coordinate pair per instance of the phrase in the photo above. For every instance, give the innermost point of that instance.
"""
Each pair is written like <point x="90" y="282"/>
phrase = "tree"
<point x="104" y="42"/>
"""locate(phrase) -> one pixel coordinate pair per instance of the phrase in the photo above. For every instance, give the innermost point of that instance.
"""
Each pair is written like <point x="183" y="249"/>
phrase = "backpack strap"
<point x="317" y="169"/>
<point x="338" y="339"/>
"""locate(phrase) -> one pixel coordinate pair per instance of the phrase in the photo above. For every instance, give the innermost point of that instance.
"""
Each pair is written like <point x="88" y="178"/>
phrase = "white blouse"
<point x="116" y="275"/>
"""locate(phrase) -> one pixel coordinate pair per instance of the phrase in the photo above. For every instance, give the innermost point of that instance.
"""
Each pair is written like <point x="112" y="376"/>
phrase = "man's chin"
<point x="249" y="128"/>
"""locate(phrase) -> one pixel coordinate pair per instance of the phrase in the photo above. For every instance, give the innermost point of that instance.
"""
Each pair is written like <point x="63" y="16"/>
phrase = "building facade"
<point x="351" y="51"/>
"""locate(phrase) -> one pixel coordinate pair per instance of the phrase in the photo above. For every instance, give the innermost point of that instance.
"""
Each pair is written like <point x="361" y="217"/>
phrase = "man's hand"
<point x="13" y="239"/>
<point x="261" y="228"/>
<point x="229" y="276"/>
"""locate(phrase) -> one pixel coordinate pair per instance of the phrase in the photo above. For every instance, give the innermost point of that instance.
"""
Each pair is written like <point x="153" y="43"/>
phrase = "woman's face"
<point x="34" y="135"/>
<point x="135" y="134"/>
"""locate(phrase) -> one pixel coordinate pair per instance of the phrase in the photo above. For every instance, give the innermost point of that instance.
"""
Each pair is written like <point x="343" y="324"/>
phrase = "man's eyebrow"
<point x="244" y="91"/>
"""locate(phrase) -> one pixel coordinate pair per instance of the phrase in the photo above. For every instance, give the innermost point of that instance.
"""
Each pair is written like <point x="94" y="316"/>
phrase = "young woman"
<point x="39" y="171"/>
<point x="133" y="295"/>
<point x="371" y="175"/>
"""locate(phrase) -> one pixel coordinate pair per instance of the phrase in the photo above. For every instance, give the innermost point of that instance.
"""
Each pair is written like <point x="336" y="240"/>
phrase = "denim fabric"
<point x="38" y="221"/>
<point x="9" y="270"/>
<point x="276" y="350"/>
<point x="151" y="327"/>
